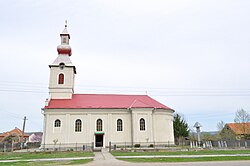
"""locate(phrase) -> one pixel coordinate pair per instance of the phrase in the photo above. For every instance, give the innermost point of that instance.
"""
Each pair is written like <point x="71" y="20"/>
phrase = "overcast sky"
<point x="191" y="55"/>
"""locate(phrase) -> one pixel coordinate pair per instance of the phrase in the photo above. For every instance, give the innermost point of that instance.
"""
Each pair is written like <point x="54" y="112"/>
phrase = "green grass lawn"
<point x="184" y="159"/>
<point x="48" y="163"/>
<point x="197" y="159"/>
<point x="40" y="155"/>
<point x="199" y="152"/>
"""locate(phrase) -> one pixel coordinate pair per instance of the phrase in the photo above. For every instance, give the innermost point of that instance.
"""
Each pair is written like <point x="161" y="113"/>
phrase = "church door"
<point x="99" y="140"/>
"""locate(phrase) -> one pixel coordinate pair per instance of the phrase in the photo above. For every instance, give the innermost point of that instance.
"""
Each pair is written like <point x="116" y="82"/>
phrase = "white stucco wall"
<point x="163" y="122"/>
<point x="61" y="91"/>
<point x="159" y="125"/>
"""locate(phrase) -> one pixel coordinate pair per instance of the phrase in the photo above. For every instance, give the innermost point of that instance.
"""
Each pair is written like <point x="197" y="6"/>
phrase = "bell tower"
<point x="62" y="71"/>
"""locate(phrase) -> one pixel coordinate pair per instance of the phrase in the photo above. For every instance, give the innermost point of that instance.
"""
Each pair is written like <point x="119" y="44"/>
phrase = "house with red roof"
<point x="237" y="130"/>
<point x="15" y="132"/>
<point x="71" y="118"/>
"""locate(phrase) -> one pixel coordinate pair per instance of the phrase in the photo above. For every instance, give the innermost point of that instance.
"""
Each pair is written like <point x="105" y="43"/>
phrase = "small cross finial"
<point x="66" y="23"/>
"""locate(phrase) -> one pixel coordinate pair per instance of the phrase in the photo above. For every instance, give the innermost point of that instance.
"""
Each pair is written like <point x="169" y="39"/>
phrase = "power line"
<point x="6" y="86"/>
<point x="28" y="84"/>
<point x="174" y="94"/>
<point x="26" y="91"/>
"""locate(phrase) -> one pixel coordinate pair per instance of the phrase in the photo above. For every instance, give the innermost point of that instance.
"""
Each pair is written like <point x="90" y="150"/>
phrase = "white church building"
<point x="98" y="119"/>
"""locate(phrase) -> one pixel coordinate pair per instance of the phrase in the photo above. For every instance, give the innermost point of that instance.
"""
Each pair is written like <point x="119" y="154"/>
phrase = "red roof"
<point x="106" y="101"/>
<point x="16" y="131"/>
<point x="239" y="128"/>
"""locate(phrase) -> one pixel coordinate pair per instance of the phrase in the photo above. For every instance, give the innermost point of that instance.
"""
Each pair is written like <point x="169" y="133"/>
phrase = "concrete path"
<point x="105" y="158"/>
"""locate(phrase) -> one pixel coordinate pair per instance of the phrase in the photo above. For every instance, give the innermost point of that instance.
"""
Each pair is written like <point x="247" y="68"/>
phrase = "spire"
<point x="65" y="31"/>
<point x="64" y="48"/>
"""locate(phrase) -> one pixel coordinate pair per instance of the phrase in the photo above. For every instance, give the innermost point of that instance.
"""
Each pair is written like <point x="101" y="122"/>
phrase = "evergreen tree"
<point x="181" y="129"/>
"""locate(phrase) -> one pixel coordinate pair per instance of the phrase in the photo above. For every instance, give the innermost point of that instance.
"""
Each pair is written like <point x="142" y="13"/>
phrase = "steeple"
<point x="64" y="48"/>
<point x="62" y="71"/>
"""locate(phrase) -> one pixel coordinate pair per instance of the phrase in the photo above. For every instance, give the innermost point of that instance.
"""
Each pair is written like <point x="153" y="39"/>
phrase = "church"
<point x="98" y="119"/>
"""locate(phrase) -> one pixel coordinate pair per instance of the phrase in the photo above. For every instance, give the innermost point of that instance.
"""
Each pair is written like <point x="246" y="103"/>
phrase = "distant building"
<point x="237" y="130"/>
<point x="16" y="132"/>
<point x="71" y="118"/>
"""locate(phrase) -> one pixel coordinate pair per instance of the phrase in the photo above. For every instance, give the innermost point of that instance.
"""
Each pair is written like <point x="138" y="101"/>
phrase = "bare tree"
<point x="221" y="130"/>
<point x="36" y="137"/>
<point x="242" y="117"/>
<point x="220" y="125"/>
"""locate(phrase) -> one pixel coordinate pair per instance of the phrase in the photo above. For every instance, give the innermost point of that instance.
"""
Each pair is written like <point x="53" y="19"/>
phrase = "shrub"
<point x="151" y="146"/>
<point x="137" y="145"/>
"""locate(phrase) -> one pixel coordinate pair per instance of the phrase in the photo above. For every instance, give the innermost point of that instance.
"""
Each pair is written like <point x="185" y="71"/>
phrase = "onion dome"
<point x="64" y="48"/>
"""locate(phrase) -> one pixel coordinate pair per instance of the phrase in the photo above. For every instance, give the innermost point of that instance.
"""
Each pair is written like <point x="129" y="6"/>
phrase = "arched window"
<point x="57" y="123"/>
<point x="61" y="79"/>
<point x="78" y="125"/>
<point x="99" y="125"/>
<point x="64" y="40"/>
<point x="142" y="124"/>
<point x="119" y="125"/>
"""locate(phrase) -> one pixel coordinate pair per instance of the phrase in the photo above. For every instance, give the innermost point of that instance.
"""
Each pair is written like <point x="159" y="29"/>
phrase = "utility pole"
<point x="24" y="121"/>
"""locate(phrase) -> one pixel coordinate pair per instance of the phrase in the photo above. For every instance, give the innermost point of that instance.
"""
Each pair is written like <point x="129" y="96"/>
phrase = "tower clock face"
<point x="61" y="65"/>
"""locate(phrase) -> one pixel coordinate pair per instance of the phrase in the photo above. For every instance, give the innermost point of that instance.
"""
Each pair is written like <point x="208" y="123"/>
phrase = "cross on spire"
<point x="66" y="23"/>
